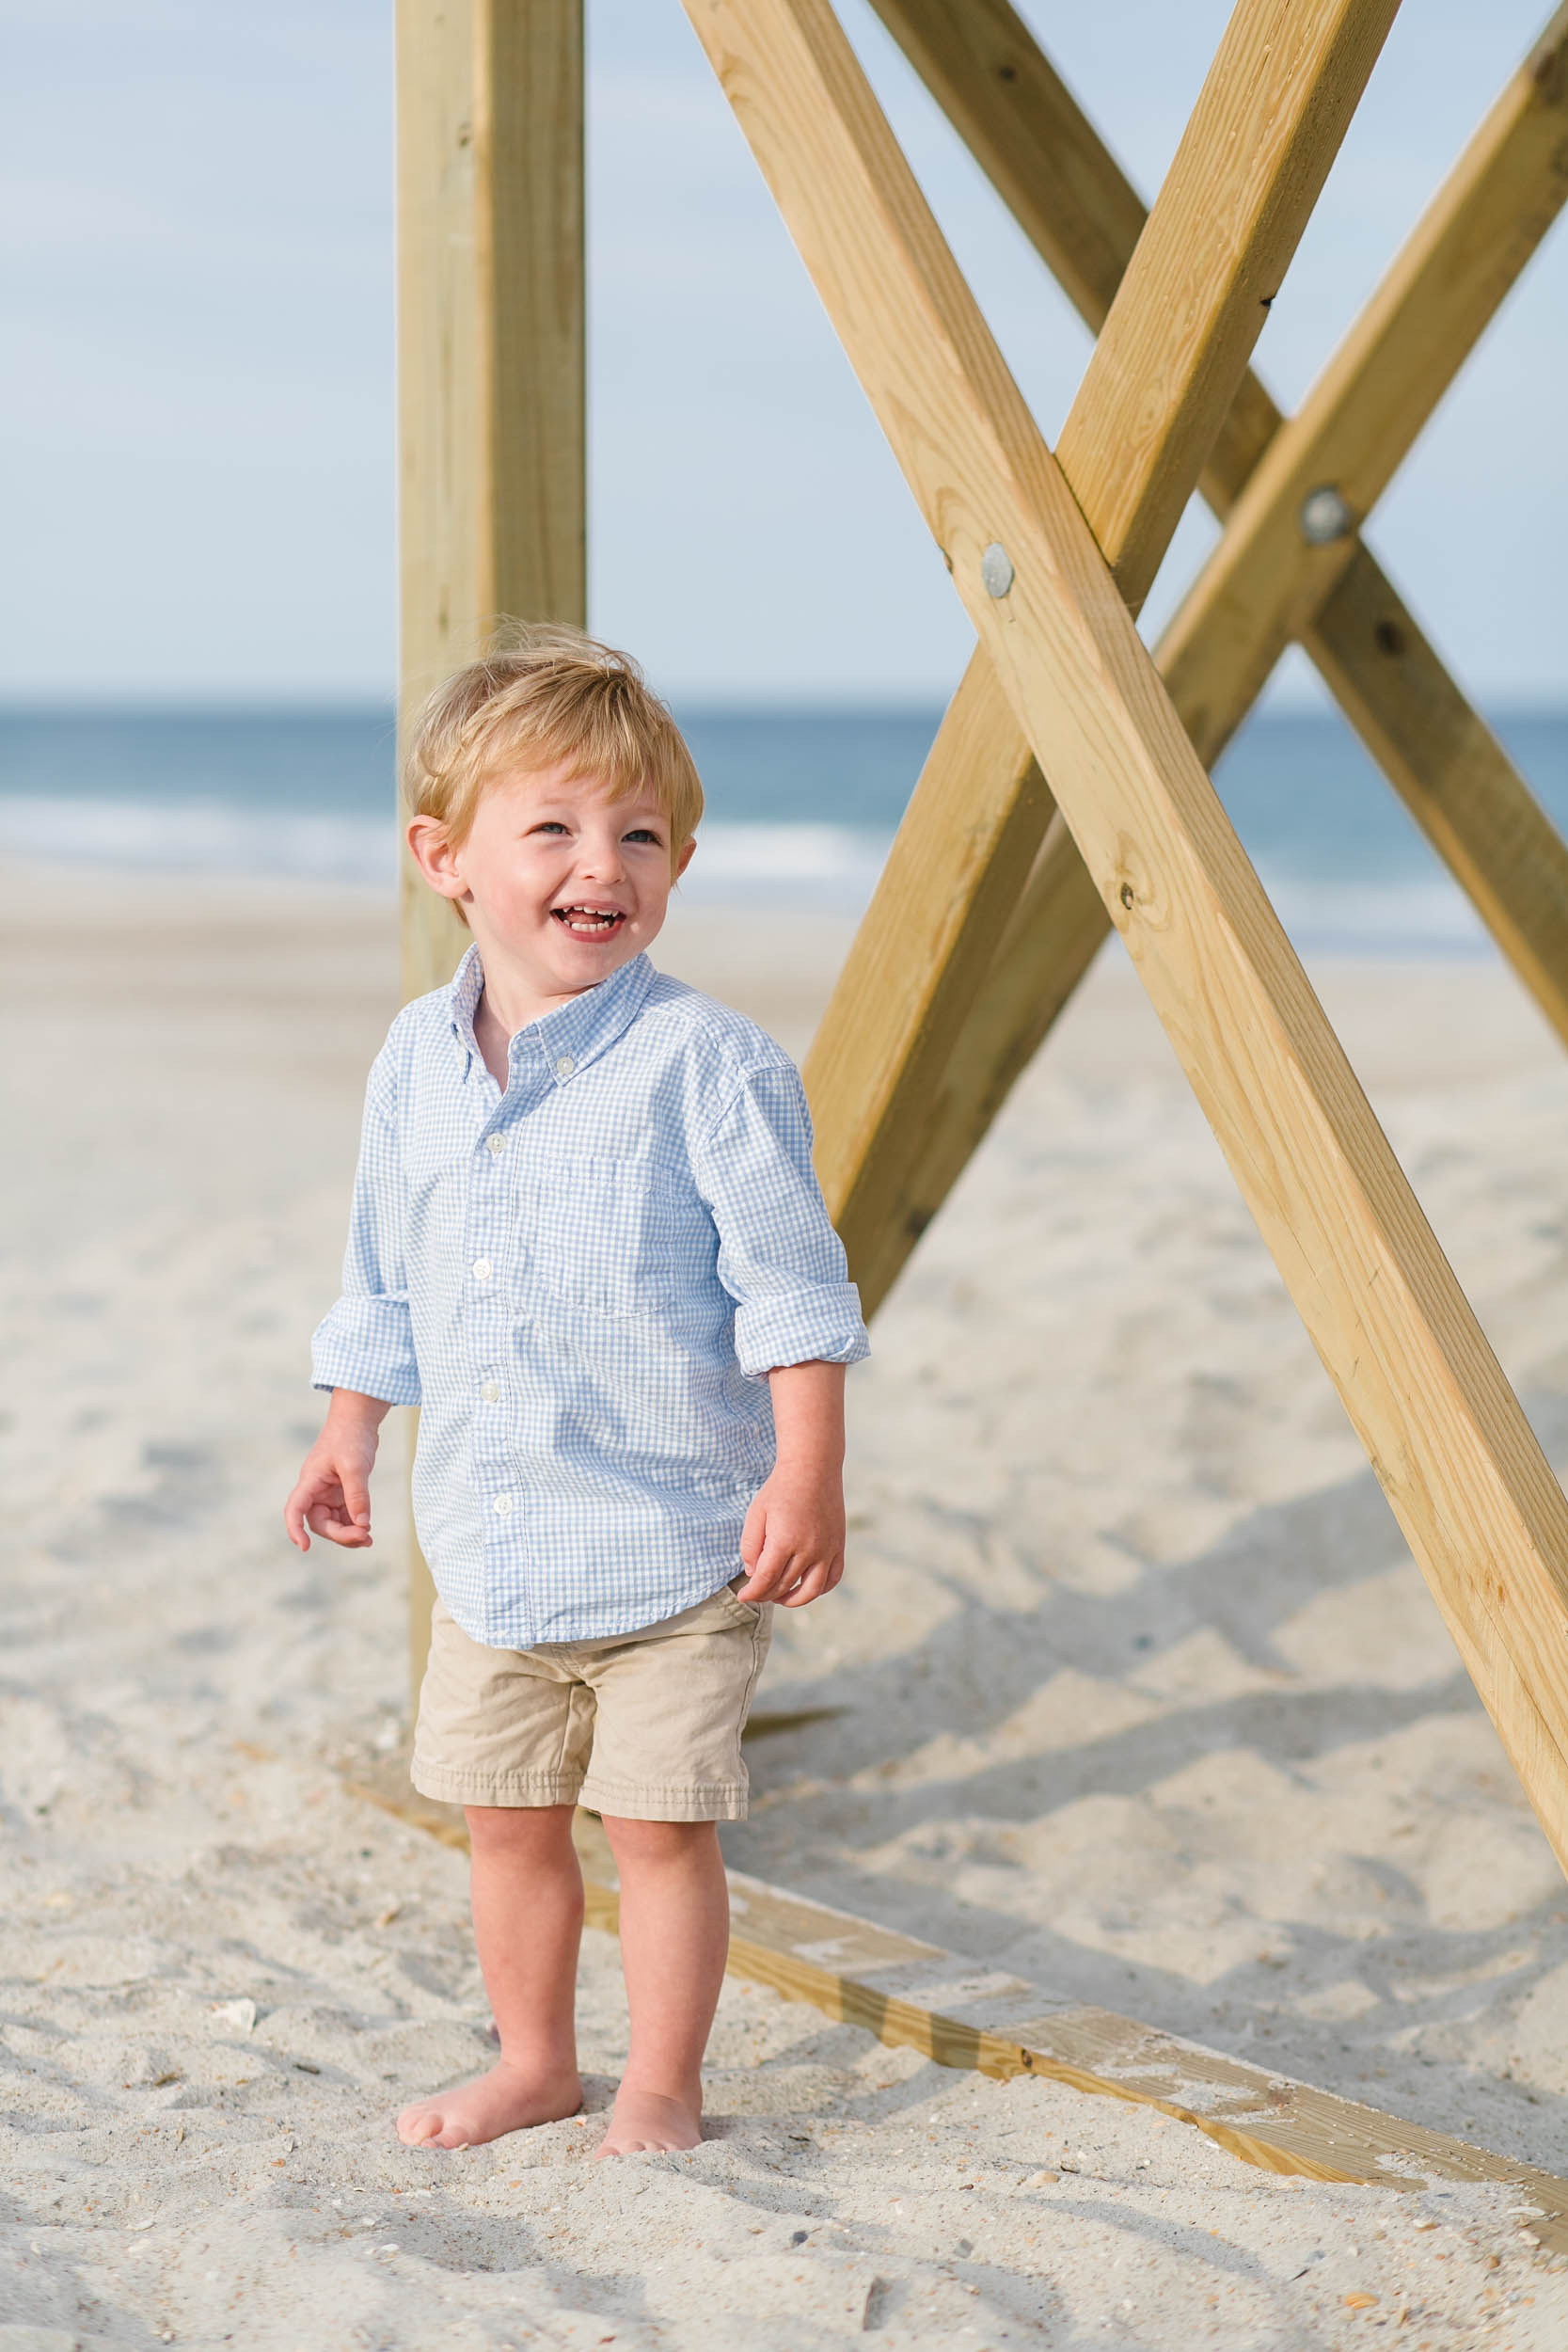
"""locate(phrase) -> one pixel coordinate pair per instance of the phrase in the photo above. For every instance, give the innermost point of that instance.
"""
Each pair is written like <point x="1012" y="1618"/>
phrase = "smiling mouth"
<point x="590" y="922"/>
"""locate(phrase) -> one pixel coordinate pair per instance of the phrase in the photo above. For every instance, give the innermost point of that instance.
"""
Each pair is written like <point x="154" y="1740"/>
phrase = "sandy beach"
<point x="1132" y="1688"/>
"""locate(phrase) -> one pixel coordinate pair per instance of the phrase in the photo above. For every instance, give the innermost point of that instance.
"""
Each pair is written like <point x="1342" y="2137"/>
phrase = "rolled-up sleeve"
<point x="779" y="1256"/>
<point x="366" y="1343"/>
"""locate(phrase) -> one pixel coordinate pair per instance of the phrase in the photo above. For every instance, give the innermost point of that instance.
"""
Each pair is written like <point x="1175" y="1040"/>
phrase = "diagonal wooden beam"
<point x="1174" y="346"/>
<point x="1444" y="762"/>
<point x="1483" y="1513"/>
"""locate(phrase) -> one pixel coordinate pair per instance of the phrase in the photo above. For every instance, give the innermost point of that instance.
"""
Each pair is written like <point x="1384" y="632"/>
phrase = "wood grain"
<point x="1163" y="374"/>
<point x="491" y="381"/>
<point x="915" y="1995"/>
<point x="1483" y="1516"/>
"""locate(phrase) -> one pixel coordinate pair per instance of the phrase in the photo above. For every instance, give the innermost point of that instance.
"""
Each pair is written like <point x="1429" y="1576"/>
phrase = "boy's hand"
<point x="793" y="1539"/>
<point x="332" y="1494"/>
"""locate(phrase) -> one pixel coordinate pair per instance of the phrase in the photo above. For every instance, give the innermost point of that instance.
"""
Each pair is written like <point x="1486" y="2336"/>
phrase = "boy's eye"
<point x="643" y="832"/>
<point x="549" y="824"/>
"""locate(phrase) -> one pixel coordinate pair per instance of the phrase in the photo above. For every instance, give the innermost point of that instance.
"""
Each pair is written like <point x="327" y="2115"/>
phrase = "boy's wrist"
<point x="809" y="1458"/>
<point x="350" y="1405"/>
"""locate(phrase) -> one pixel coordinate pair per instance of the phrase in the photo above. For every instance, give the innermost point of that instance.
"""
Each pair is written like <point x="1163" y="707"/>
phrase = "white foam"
<point x="832" y="865"/>
<point x="1423" y="916"/>
<point x="822" y="867"/>
<point x="198" y="837"/>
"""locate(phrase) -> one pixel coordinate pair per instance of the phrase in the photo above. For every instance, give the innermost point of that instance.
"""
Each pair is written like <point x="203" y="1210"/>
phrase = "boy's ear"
<point x="435" y="857"/>
<point x="685" y="858"/>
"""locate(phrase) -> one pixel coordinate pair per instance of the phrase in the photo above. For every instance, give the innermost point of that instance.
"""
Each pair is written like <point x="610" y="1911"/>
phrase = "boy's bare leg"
<point x="527" y="1896"/>
<point x="674" y="1936"/>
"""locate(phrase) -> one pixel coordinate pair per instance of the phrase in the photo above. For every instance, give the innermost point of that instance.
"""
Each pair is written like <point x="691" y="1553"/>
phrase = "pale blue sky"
<point x="199" y="395"/>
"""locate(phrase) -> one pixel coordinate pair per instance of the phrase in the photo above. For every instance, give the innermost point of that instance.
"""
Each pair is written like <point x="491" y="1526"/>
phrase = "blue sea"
<point x="802" y="805"/>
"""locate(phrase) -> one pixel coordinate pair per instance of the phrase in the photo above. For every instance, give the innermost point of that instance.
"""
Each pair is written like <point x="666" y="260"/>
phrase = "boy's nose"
<point x="601" y="861"/>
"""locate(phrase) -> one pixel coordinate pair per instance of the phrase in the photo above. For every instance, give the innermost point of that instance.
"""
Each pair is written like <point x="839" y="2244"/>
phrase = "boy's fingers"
<point x="818" y="1579"/>
<point x="326" y="1516"/>
<point x="356" y="1497"/>
<point x="776" y="1567"/>
<point x="294" y="1517"/>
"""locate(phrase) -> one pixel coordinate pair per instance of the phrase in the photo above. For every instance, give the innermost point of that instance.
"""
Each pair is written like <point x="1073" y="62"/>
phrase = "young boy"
<point x="587" y="1241"/>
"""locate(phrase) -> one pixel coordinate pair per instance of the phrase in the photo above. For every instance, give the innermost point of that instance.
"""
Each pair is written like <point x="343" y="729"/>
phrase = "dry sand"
<point x="1138" y="1692"/>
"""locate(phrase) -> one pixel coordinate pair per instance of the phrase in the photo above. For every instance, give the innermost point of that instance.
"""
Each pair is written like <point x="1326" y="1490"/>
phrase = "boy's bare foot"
<point x="643" y="2119"/>
<point x="504" y="2099"/>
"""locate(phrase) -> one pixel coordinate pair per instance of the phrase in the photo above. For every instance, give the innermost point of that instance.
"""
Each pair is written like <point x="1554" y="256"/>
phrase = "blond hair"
<point x="548" y="695"/>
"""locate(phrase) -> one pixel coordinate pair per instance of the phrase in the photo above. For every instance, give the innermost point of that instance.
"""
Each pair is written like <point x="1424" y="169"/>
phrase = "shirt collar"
<point x="574" y="1034"/>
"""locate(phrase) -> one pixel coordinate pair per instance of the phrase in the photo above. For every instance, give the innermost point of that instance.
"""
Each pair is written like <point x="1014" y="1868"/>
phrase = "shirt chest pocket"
<point x="609" y="1235"/>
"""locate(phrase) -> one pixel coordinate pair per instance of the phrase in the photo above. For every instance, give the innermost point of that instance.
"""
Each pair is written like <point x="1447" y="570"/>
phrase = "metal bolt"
<point x="1325" y="516"/>
<point x="996" y="569"/>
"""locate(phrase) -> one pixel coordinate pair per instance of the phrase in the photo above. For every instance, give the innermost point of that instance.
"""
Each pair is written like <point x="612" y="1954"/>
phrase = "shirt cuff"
<point x="814" y="1327"/>
<point x="367" y="1345"/>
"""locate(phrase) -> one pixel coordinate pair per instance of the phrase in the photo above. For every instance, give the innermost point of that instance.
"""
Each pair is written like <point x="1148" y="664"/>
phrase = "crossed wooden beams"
<point x="900" y="1116"/>
<point x="1048" y="553"/>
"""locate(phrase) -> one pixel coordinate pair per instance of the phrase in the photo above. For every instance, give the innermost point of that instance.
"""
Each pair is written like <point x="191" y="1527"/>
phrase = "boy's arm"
<point x="793" y="1539"/>
<point x="365" y="1343"/>
<point x="363" y="1351"/>
<point x="797" y="1325"/>
<point x="779" y="1256"/>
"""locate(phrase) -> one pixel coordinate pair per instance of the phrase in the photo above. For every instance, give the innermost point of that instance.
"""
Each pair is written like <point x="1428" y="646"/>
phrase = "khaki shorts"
<point x="646" y="1725"/>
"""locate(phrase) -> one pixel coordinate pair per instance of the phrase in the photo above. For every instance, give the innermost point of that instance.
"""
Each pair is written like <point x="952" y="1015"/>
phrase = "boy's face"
<point x="557" y="878"/>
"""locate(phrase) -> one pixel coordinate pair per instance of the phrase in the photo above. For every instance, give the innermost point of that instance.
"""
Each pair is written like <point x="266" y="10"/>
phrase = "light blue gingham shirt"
<point x="584" y="1283"/>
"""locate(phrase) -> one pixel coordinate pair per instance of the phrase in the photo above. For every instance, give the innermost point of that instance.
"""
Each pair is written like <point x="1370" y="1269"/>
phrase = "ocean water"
<point x="802" y="805"/>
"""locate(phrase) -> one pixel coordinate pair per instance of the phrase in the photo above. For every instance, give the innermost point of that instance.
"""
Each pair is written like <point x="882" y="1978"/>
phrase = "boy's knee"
<point x="654" y="1842"/>
<point x="518" y="1829"/>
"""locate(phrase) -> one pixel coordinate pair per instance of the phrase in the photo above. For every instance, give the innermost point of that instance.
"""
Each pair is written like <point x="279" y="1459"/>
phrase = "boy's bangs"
<point x="595" y="754"/>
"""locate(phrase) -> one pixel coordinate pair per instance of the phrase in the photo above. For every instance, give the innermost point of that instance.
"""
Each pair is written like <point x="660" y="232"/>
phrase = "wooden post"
<point x="491" y="376"/>
<point x="1478" y="1502"/>
<point x="1448" y="768"/>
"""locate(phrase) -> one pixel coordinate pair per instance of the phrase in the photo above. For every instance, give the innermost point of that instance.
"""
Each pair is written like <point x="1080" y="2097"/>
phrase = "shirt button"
<point x="566" y="1066"/>
<point x="482" y="1269"/>
<point x="494" y="1143"/>
<point x="502" y="1507"/>
<point x="491" y="1392"/>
